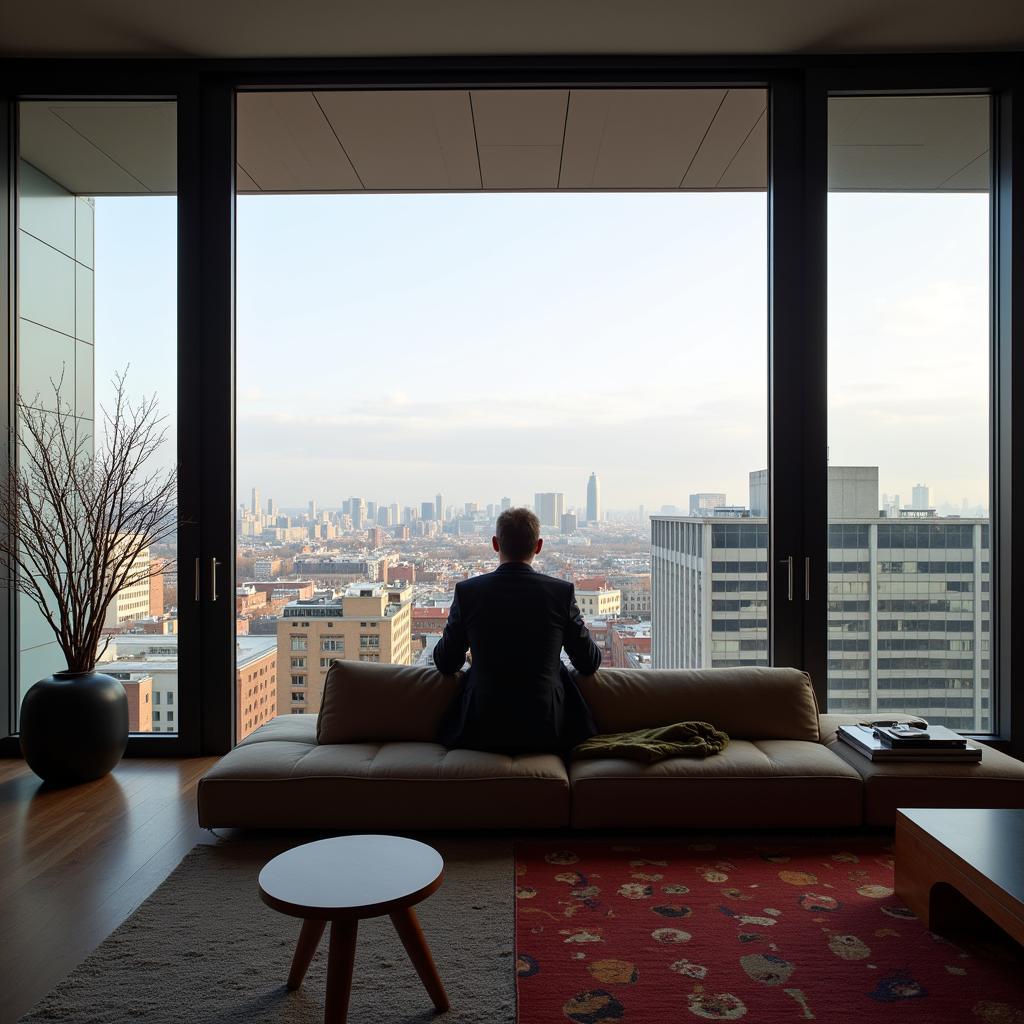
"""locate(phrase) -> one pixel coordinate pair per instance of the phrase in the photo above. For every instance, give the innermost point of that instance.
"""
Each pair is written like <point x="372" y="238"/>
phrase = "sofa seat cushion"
<point x="996" y="781"/>
<point x="751" y="784"/>
<point x="280" y="777"/>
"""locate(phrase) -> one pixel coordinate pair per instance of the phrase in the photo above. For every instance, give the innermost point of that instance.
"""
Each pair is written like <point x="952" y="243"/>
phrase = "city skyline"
<point x="908" y="500"/>
<point x="407" y="391"/>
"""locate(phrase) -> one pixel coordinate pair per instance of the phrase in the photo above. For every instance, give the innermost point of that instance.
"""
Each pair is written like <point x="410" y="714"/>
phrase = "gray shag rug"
<point x="205" y="949"/>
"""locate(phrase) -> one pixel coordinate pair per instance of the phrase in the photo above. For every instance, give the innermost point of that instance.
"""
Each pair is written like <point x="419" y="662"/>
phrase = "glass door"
<point x="909" y="372"/>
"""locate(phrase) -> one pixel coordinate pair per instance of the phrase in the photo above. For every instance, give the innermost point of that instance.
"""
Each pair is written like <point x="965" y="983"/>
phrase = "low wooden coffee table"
<point x="976" y="852"/>
<point x="342" y="880"/>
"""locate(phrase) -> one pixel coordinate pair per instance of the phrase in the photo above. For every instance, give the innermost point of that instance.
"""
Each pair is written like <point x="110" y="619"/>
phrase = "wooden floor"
<point x="74" y="863"/>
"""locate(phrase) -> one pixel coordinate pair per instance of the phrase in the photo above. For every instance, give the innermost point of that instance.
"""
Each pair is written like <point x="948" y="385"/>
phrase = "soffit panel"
<point x="748" y="170"/>
<point x="519" y="135"/>
<point x="285" y="144"/>
<point x="908" y="143"/>
<point x="102" y="148"/>
<point x="243" y="183"/>
<point x="634" y="138"/>
<point x="406" y="140"/>
<point x="740" y="111"/>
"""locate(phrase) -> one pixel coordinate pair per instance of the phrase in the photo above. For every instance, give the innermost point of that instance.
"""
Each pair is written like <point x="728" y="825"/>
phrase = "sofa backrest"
<point x="369" y="703"/>
<point x="746" y="703"/>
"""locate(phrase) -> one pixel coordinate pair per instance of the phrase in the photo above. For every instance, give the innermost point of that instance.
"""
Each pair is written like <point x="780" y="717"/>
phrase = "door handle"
<point x="807" y="579"/>
<point x="788" y="562"/>
<point x="197" y="582"/>
<point x="214" y="562"/>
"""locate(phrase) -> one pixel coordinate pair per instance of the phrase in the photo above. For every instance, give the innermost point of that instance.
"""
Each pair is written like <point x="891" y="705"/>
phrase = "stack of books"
<point x="891" y="741"/>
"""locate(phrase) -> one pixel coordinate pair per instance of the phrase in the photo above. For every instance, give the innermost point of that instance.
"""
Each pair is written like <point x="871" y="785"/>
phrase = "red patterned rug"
<point x="664" y="931"/>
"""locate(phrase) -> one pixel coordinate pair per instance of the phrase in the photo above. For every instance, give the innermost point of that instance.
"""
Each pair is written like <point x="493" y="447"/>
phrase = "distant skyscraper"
<point x="506" y="503"/>
<point x="438" y="508"/>
<point x="255" y="506"/>
<point x="358" y="512"/>
<point x="396" y="515"/>
<point x="427" y="510"/>
<point x="701" y="504"/>
<point x="568" y="523"/>
<point x="384" y="516"/>
<point x="919" y="497"/>
<point x="549" y="506"/>
<point x="593" y="499"/>
<point x="371" y="511"/>
<point x="312" y="509"/>
<point x="271" y="508"/>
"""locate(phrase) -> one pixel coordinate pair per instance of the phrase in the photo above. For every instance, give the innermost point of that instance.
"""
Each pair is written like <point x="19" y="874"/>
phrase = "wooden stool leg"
<point x="409" y="931"/>
<point x="339" y="970"/>
<point x="309" y="939"/>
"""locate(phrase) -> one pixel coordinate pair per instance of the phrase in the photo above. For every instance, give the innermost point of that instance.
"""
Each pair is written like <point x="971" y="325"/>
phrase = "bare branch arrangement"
<point x="81" y="510"/>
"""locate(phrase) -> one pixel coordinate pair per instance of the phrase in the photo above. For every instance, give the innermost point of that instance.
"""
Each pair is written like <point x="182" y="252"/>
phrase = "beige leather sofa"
<point x="369" y="761"/>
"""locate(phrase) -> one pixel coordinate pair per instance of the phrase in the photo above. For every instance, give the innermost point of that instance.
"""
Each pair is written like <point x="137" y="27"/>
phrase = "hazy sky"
<point x="502" y="344"/>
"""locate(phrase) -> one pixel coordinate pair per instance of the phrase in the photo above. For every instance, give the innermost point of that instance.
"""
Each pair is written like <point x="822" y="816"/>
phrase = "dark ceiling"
<point x="339" y="28"/>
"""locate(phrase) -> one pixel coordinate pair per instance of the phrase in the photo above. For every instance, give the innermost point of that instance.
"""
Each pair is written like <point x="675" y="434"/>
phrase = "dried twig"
<point x="81" y="511"/>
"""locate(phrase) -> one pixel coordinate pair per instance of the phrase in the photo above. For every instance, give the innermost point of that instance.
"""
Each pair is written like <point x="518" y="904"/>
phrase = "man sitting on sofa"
<point x="517" y="695"/>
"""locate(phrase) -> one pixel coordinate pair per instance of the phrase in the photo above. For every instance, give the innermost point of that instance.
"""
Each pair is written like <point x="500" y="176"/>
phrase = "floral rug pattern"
<point x="663" y="931"/>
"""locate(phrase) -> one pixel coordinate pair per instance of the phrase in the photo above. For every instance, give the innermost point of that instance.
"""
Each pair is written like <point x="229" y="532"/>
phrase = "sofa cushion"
<point x="762" y="784"/>
<point x="280" y="777"/>
<point x="746" y="703"/>
<point x="366" y="702"/>
<point x="996" y="781"/>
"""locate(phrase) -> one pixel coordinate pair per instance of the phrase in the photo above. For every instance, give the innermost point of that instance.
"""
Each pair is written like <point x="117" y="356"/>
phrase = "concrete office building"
<point x="909" y="606"/>
<point x="369" y="622"/>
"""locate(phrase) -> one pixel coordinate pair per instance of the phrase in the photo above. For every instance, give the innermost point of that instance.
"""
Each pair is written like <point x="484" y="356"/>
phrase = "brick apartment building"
<point x="255" y="682"/>
<point x="429" y="620"/>
<point x="368" y="622"/>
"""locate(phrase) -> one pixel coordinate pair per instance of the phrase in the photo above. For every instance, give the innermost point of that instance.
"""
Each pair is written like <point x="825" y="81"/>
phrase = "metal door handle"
<point x="788" y="562"/>
<point x="214" y="562"/>
<point x="197" y="580"/>
<point x="807" y="579"/>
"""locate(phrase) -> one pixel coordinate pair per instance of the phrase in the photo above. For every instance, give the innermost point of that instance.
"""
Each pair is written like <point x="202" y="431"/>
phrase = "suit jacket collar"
<point x="515" y="567"/>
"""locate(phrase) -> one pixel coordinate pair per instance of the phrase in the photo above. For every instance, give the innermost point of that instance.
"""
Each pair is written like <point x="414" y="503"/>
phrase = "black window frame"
<point x="798" y="89"/>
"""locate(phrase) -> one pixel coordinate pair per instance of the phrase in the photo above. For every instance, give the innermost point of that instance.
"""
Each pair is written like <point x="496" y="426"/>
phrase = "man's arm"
<point x="584" y="654"/>
<point x="450" y="652"/>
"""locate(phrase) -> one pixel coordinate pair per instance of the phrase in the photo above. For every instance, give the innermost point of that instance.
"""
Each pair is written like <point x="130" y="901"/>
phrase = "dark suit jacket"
<point x="517" y="695"/>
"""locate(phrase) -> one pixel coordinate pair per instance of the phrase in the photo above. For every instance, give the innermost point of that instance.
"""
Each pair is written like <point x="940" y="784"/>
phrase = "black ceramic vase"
<point x="74" y="726"/>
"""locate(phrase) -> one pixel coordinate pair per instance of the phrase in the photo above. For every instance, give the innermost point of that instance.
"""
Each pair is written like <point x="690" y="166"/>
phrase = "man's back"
<point x="516" y="696"/>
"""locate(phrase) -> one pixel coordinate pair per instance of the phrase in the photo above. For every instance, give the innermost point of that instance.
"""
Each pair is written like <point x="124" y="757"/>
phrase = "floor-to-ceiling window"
<point x="96" y="313"/>
<point x="453" y="302"/>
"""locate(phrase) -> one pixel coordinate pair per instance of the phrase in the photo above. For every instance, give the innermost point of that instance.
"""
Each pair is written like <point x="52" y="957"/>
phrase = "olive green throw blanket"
<point x="684" y="739"/>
